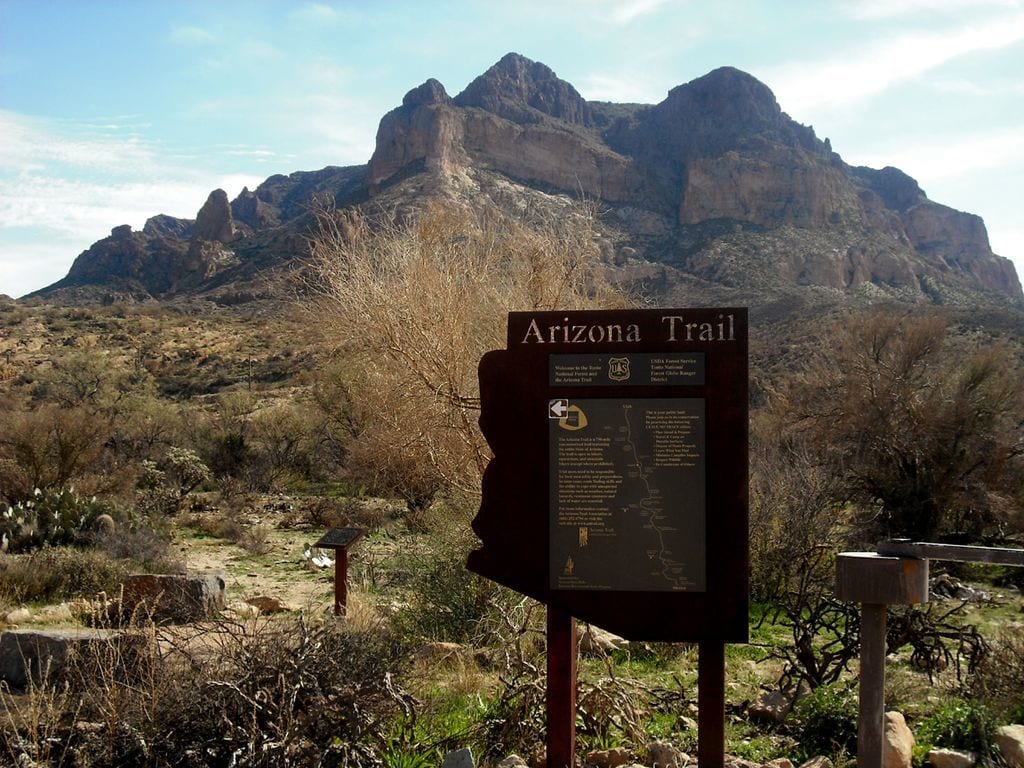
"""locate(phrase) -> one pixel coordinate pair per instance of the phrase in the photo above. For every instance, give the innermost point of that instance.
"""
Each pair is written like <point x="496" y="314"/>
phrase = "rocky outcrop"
<point x="776" y="186"/>
<point x="129" y="261"/>
<point x="214" y="221"/>
<point x="425" y="133"/>
<point x="715" y="183"/>
<point x="163" y="225"/>
<point x="523" y="91"/>
<point x="253" y="212"/>
<point x="717" y="150"/>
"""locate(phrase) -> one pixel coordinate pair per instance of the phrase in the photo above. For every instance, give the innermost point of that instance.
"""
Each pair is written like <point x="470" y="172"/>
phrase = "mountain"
<point x="715" y="190"/>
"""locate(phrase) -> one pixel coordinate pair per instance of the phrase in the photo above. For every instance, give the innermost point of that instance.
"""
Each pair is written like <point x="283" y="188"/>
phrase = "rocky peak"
<point x="163" y="225"/>
<point x="431" y="92"/>
<point x="214" y="220"/>
<point x="724" y="110"/>
<point x="516" y="86"/>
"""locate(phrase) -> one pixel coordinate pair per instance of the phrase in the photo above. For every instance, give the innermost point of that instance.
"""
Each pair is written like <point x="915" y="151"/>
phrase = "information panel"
<point x="626" y="479"/>
<point x="617" y="487"/>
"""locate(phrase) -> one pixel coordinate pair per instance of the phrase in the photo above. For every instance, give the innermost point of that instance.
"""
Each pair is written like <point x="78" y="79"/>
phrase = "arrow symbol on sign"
<point x="558" y="409"/>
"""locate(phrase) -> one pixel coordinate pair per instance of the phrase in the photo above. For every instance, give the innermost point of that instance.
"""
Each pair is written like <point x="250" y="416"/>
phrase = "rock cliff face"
<point x="715" y="183"/>
<point x="717" y="155"/>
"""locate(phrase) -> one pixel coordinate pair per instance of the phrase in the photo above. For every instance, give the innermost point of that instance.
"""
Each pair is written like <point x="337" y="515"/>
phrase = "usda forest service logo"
<point x="618" y="368"/>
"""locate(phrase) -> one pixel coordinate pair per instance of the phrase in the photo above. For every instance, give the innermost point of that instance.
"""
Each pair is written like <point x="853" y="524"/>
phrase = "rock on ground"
<point x="1010" y="739"/>
<point x="663" y="755"/>
<point x="950" y="758"/>
<point x="897" y="742"/>
<point x="36" y="655"/>
<point x="170" y="598"/>
<point x="459" y="758"/>
<point x="608" y="758"/>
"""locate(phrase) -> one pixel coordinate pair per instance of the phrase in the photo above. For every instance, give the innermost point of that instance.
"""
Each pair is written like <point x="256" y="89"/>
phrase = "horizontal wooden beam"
<point x="957" y="552"/>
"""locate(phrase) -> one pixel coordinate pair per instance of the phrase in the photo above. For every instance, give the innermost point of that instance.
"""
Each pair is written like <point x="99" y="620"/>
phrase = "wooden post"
<point x="340" y="581"/>
<point x="339" y="540"/>
<point x="711" y="704"/>
<point x="561" y="631"/>
<point x="876" y="581"/>
<point x="872" y="685"/>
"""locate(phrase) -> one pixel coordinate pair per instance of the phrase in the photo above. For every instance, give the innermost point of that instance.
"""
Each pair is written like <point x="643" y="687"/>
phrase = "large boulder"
<point x="36" y="656"/>
<point x="1010" y="739"/>
<point x="897" y="742"/>
<point x="174" y="598"/>
<point x="951" y="758"/>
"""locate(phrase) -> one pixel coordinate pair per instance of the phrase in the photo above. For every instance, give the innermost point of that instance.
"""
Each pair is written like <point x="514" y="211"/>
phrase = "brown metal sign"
<point x="618" y="488"/>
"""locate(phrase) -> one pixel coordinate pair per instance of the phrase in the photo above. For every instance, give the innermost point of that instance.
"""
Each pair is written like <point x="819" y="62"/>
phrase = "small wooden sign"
<point x="340" y="539"/>
<point x="618" y="488"/>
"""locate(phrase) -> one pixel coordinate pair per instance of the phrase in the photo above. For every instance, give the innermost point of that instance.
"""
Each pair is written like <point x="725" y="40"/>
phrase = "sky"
<point x="114" y="111"/>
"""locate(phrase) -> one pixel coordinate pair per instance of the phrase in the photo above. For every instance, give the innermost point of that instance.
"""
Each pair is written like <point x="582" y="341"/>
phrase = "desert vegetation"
<point x="163" y="437"/>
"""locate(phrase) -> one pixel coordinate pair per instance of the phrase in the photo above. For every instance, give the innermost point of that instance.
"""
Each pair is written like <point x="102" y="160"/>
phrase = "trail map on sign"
<point x="627" y="494"/>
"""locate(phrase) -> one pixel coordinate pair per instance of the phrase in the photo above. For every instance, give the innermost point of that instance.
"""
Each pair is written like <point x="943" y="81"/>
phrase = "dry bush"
<point x="999" y="680"/>
<point x="792" y="506"/>
<point x="414" y="305"/>
<point x="258" y="694"/>
<point x="59" y="573"/>
<point x="48" y="447"/>
<point x="923" y="431"/>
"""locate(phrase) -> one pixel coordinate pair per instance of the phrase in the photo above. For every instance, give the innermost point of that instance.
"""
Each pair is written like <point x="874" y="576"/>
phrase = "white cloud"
<point x="60" y="192"/>
<point x="28" y="144"/>
<point x="189" y="35"/>
<point x="628" y="11"/>
<point x="619" y="88"/>
<point x="27" y="267"/>
<point x="875" y="10"/>
<point x="316" y="13"/>
<point x="942" y="161"/>
<point x="853" y="76"/>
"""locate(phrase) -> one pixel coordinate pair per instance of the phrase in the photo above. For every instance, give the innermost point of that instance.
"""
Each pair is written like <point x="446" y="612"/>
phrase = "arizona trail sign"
<point x="618" y="488"/>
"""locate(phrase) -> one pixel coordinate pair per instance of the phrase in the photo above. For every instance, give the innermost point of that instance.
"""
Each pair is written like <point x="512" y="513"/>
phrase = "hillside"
<point x="715" y="189"/>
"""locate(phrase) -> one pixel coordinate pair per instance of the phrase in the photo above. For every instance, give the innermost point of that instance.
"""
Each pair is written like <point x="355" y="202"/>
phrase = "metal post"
<point x="872" y="685"/>
<point x="711" y="705"/>
<point x="561" y="630"/>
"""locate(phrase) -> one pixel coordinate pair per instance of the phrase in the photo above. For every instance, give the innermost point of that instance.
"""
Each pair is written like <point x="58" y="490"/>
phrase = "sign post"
<point x="340" y="539"/>
<point x="620" y="446"/>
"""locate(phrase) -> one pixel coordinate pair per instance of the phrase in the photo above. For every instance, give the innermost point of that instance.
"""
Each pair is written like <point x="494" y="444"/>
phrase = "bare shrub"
<point x="792" y="506"/>
<point x="251" y="694"/>
<point x="413" y="306"/>
<point x="997" y="680"/>
<point x="923" y="430"/>
<point x="256" y="540"/>
<point x="59" y="573"/>
<point x="48" y="447"/>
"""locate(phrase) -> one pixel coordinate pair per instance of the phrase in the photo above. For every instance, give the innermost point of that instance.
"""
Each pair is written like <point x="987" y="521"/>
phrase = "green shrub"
<point x="446" y="601"/>
<point x="961" y="725"/>
<point x="827" y="722"/>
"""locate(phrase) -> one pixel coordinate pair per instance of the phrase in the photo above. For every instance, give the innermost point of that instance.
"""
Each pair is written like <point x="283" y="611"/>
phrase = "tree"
<point x="924" y="430"/>
<point x="413" y="306"/>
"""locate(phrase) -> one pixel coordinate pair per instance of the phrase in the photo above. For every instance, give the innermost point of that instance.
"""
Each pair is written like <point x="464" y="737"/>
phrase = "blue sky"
<point x="113" y="111"/>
